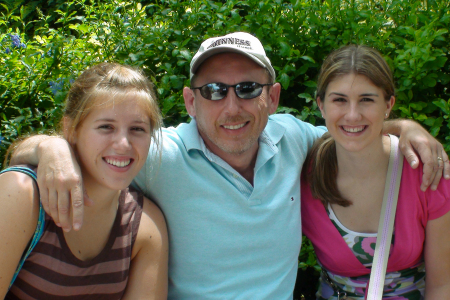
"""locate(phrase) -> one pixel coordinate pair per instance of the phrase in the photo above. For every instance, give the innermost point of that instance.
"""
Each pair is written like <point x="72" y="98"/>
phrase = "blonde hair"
<point x="111" y="82"/>
<point x="321" y="168"/>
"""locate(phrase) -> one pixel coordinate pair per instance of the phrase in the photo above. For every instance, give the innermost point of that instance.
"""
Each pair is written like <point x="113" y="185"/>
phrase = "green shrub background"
<point x="44" y="45"/>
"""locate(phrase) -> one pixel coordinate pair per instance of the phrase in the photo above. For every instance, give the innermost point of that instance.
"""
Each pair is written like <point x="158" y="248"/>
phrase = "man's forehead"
<point x="227" y="58"/>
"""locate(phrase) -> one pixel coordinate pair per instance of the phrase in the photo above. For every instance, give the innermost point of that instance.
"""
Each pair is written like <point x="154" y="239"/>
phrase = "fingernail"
<point x="76" y="226"/>
<point x="66" y="229"/>
<point x="433" y="187"/>
<point x="447" y="176"/>
<point x="58" y="224"/>
<point x="413" y="162"/>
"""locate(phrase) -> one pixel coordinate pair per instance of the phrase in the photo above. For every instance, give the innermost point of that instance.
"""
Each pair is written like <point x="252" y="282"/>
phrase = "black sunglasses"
<point x="218" y="90"/>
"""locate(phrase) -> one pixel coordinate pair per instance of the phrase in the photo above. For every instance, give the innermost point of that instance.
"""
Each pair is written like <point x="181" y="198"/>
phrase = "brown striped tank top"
<point x="53" y="272"/>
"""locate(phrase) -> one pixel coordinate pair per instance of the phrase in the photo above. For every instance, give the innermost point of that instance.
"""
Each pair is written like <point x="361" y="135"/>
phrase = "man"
<point x="227" y="182"/>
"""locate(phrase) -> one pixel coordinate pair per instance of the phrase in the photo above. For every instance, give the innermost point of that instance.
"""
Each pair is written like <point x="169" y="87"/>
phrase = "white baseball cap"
<point x="238" y="42"/>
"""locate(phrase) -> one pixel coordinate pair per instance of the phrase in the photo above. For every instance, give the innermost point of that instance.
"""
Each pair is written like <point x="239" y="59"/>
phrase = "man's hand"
<point x="60" y="183"/>
<point x="414" y="137"/>
<point x="59" y="178"/>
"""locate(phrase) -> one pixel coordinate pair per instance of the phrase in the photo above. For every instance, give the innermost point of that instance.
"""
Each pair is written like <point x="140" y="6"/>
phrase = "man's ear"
<point x="68" y="131"/>
<point x="189" y="98"/>
<point x="274" y="97"/>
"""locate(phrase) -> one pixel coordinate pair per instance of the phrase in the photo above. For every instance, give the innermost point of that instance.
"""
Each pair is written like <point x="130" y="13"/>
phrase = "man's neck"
<point x="244" y="166"/>
<point x="243" y="163"/>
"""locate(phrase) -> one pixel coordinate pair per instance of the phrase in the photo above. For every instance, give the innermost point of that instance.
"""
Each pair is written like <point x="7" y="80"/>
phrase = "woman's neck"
<point x="104" y="199"/>
<point x="365" y="163"/>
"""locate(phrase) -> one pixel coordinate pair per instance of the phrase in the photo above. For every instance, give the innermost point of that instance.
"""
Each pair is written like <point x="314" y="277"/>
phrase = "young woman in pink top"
<point x="110" y="119"/>
<point x="343" y="186"/>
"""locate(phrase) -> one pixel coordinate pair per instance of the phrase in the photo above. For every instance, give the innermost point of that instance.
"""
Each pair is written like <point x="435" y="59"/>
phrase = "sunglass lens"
<point x="214" y="91"/>
<point x="248" y="90"/>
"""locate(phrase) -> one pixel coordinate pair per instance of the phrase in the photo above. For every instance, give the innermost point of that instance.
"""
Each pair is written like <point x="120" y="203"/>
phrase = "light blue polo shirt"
<point x="229" y="239"/>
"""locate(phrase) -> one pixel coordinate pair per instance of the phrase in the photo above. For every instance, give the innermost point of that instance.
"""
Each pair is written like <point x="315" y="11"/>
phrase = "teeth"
<point x="353" y="129"/>
<point x="118" y="163"/>
<point x="234" y="126"/>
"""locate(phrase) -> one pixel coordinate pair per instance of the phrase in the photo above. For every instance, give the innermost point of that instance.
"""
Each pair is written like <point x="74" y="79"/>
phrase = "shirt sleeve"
<point x="305" y="132"/>
<point x="438" y="201"/>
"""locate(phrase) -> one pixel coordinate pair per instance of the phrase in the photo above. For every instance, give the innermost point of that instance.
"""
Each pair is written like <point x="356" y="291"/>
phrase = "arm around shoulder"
<point x="19" y="214"/>
<point x="149" y="265"/>
<point x="59" y="177"/>
<point x="27" y="151"/>
<point x="414" y="138"/>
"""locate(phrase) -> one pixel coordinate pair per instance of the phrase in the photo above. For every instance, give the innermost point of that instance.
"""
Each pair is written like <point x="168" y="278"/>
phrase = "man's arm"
<point x="437" y="258"/>
<point x="59" y="177"/>
<point x="415" y="137"/>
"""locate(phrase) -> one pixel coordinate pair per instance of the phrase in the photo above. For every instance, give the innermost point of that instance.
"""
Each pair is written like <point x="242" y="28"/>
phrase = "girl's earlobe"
<point x="320" y="105"/>
<point x="68" y="131"/>
<point x="390" y="105"/>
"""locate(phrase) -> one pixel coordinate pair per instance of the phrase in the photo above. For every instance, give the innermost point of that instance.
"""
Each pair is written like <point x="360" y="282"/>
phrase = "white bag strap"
<point x="386" y="223"/>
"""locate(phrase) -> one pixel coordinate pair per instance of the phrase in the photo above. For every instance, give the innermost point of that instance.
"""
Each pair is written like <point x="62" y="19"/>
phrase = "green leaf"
<point x="284" y="80"/>
<point x="306" y="96"/>
<point x="134" y="57"/>
<point x="308" y="58"/>
<point x="405" y="111"/>
<point x="310" y="83"/>
<point x="429" y="81"/>
<point x="285" y="49"/>
<point x="186" y="54"/>
<point x="443" y="105"/>
<point x="418" y="105"/>
<point x="29" y="60"/>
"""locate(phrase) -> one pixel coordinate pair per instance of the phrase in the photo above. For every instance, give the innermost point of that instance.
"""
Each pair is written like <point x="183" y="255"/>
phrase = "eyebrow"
<point x="113" y="120"/>
<point x="362" y="95"/>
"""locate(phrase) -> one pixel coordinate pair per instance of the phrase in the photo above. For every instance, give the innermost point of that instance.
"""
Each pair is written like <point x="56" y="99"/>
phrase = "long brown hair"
<point x="321" y="168"/>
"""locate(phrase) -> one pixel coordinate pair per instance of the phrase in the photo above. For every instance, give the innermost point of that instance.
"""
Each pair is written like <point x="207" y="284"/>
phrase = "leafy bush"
<point x="46" y="44"/>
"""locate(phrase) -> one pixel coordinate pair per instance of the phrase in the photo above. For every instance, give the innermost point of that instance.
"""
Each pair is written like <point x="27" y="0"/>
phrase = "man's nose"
<point x="232" y="102"/>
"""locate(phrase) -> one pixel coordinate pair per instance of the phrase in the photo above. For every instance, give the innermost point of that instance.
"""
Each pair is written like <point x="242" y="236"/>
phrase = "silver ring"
<point x="439" y="158"/>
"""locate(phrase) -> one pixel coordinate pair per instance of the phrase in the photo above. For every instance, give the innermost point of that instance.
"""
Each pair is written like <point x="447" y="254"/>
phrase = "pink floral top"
<point x="347" y="257"/>
<point x="404" y="284"/>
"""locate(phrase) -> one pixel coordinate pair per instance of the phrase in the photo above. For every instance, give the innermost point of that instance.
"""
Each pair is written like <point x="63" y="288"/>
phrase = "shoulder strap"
<point x="40" y="225"/>
<point x="386" y="223"/>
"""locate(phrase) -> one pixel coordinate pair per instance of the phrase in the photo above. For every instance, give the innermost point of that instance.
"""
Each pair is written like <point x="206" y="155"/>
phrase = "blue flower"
<point x="7" y="50"/>
<point x="15" y="40"/>
<point x="57" y="85"/>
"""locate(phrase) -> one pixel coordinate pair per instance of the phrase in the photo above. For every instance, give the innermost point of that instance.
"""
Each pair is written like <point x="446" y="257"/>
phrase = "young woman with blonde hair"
<point x="110" y="119"/>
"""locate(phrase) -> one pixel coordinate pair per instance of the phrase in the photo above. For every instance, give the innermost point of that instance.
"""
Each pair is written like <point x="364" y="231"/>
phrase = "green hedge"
<point x="44" y="45"/>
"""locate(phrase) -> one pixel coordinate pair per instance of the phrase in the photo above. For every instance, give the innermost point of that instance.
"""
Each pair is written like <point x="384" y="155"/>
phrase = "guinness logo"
<point x="231" y="41"/>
